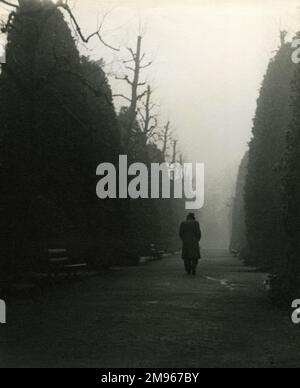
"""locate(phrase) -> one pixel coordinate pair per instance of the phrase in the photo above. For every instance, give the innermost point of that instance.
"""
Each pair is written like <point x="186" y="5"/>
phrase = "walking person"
<point x="190" y="234"/>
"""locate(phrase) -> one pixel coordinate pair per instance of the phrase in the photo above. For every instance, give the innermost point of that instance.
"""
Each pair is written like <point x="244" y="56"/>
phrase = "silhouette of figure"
<point x="190" y="234"/>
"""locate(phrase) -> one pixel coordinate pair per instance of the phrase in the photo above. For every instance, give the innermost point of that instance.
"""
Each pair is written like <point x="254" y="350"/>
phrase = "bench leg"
<point x="72" y="275"/>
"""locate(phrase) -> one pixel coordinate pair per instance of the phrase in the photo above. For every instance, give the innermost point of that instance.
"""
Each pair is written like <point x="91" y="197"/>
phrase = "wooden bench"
<point x="155" y="254"/>
<point x="59" y="262"/>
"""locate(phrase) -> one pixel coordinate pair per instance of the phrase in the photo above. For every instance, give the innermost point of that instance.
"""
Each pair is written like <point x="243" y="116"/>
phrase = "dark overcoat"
<point x="190" y="234"/>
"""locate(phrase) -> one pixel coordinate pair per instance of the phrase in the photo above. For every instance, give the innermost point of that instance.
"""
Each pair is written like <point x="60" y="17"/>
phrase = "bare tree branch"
<point x="130" y="68"/>
<point x="136" y="58"/>
<point x="149" y="120"/>
<point x="132" y="53"/>
<point x="9" y="4"/>
<point x="121" y="96"/>
<point x="129" y="61"/>
<point x="174" y="156"/>
<point x="147" y="65"/>
<point x="124" y="79"/>
<point x="67" y="9"/>
<point x="165" y="136"/>
<point x="139" y="97"/>
<point x="142" y="116"/>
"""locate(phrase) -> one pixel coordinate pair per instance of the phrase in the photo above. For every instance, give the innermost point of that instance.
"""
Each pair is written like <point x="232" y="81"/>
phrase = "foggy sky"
<point x="209" y="61"/>
<point x="210" y="57"/>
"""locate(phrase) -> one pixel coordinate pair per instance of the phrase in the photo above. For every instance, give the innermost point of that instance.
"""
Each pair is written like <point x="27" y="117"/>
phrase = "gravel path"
<point x="153" y="316"/>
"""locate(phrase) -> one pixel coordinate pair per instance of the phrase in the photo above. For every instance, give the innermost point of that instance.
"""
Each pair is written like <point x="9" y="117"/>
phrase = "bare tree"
<point x="165" y="137"/>
<point x="174" y="154"/>
<point x="169" y="146"/>
<point x="135" y="64"/>
<point x="149" y="120"/>
<point x="181" y="159"/>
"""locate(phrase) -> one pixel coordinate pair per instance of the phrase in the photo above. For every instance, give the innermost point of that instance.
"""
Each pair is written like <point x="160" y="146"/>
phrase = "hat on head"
<point x="191" y="216"/>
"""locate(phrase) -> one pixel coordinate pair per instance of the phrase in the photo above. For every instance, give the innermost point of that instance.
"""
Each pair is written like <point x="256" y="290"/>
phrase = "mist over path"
<point x="153" y="316"/>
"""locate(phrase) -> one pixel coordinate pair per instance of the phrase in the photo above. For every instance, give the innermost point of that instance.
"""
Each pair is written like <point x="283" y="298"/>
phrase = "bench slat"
<point x="57" y="251"/>
<point x="59" y="260"/>
<point x="74" y="266"/>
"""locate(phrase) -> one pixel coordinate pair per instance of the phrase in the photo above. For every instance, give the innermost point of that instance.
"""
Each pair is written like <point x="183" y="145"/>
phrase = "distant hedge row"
<point x="268" y="189"/>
